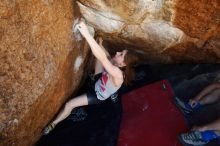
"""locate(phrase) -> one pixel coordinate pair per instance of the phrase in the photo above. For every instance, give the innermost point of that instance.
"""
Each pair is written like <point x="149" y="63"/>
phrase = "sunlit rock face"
<point x="41" y="64"/>
<point x="43" y="56"/>
<point x="166" y="31"/>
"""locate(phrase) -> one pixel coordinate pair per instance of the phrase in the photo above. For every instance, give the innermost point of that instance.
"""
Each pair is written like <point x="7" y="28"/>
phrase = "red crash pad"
<point x="150" y="117"/>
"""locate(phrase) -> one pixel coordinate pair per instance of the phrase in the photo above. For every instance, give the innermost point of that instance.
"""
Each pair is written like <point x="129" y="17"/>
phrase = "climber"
<point x="110" y="74"/>
<point x="201" y="135"/>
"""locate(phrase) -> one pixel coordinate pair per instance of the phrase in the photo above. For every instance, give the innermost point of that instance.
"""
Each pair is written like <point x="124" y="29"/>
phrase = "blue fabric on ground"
<point x="209" y="135"/>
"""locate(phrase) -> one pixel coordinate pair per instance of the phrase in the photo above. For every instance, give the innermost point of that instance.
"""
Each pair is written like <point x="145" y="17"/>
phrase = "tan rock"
<point x="38" y="53"/>
<point x="43" y="56"/>
<point x="158" y="27"/>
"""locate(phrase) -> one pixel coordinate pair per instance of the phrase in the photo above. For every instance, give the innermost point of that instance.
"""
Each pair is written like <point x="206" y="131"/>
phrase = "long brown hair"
<point x="130" y="60"/>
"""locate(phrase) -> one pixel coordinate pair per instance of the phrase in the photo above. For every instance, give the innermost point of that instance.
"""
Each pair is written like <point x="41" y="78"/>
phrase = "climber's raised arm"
<point x="99" y="53"/>
<point x="100" y="41"/>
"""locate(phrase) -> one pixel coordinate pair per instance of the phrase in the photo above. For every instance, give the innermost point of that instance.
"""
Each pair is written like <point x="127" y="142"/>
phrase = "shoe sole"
<point x="182" y="142"/>
<point x="186" y="144"/>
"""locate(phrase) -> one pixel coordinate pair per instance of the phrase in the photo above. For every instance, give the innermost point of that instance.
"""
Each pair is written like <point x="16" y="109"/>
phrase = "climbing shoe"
<point x="48" y="128"/>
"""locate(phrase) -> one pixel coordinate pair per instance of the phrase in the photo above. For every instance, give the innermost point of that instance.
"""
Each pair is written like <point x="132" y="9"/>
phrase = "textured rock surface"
<point x="164" y="30"/>
<point x="41" y="64"/>
<point x="42" y="56"/>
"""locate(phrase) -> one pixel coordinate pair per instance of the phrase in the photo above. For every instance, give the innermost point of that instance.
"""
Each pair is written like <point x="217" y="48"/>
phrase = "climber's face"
<point x="118" y="59"/>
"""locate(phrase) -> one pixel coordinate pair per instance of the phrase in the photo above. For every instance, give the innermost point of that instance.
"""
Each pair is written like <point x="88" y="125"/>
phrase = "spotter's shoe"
<point x="192" y="138"/>
<point x="183" y="106"/>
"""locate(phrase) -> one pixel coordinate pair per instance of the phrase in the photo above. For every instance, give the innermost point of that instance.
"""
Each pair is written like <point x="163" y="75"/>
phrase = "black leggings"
<point x="91" y="94"/>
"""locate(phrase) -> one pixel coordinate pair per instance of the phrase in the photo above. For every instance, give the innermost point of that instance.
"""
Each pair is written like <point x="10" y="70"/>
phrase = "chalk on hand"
<point x="75" y="29"/>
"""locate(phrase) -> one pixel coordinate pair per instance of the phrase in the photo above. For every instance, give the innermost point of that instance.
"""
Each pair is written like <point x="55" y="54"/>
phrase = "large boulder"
<point x="166" y="31"/>
<point x="41" y="63"/>
<point x="43" y="57"/>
